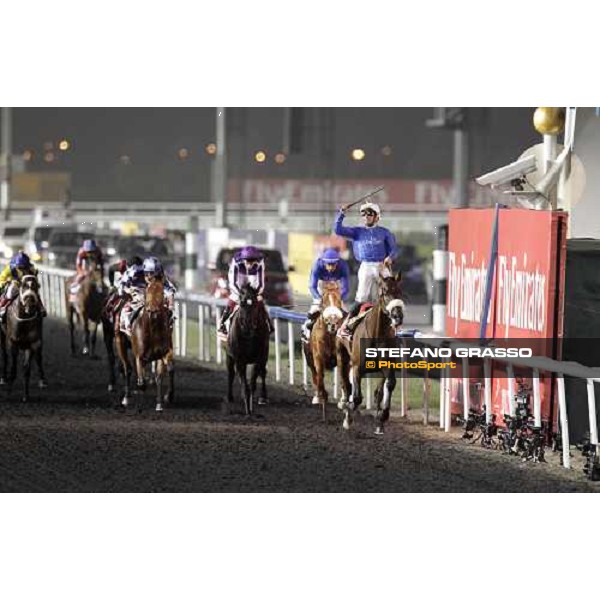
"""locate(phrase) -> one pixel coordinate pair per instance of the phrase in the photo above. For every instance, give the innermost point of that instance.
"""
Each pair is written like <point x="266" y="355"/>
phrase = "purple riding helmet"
<point x="250" y="253"/>
<point x="20" y="261"/>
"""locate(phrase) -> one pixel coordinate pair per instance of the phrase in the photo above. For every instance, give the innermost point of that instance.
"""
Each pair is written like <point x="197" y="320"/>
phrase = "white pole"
<point x="219" y="353"/>
<point x="291" y="350"/>
<point x="62" y="290"/>
<point x="447" y="410"/>
<point x="177" y="330"/>
<point x="184" y="329"/>
<point x="403" y="395"/>
<point x="200" y="332"/>
<point x="277" y="350"/>
<point x="335" y="382"/>
<point x="592" y="412"/>
<point x="511" y="390"/>
<point x="487" y="370"/>
<point x="466" y="391"/>
<point x="442" y="399"/>
<point x="304" y="371"/>
<point x="537" y="399"/>
<point x="5" y="162"/>
<point x="426" y="389"/>
<point x="564" y="421"/>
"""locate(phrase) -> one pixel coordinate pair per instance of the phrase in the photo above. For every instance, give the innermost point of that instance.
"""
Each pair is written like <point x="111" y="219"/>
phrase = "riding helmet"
<point x="152" y="266"/>
<point x="330" y="256"/>
<point x="250" y="253"/>
<point x="20" y="261"/>
<point x="90" y="245"/>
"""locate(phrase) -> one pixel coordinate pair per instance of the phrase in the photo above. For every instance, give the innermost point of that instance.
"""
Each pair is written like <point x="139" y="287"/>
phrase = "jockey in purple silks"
<point x="247" y="267"/>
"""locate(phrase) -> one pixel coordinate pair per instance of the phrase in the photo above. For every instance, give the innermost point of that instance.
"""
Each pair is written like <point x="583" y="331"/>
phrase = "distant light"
<point x="48" y="145"/>
<point x="125" y="160"/>
<point x="49" y="157"/>
<point x="280" y="158"/>
<point x="64" y="145"/>
<point x="27" y="155"/>
<point x="183" y="153"/>
<point x="211" y="148"/>
<point x="358" y="154"/>
<point x="386" y="151"/>
<point x="260" y="156"/>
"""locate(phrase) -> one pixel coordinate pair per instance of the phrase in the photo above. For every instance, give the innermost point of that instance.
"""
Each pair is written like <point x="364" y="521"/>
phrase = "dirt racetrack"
<point x="71" y="438"/>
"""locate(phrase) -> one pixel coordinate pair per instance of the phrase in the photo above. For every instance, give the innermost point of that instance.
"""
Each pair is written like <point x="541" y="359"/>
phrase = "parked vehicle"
<point x="277" y="288"/>
<point x="63" y="244"/>
<point x="12" y="239"/>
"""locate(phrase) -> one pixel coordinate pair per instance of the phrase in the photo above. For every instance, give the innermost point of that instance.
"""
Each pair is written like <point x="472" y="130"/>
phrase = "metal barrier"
<point x="201" y="322"/>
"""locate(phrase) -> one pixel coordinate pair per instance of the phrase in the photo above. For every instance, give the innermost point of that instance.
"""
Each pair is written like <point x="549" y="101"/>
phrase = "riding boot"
<point x="4" y="303"/>
<point x="224" y="318"/>
<point x="347" y="329"/>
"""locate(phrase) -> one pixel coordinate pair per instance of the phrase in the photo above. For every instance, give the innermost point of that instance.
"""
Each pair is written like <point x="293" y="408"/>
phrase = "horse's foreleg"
<point x="86" y="335"/>
<point x="26" y="373"/>
<point x="230" y="379"/>
<point x="40" y="366"/>
<point x="262" y="373"/>
<point x="139" y="367"/>
<point x="158" y="377"/>
<point x="94" y="335"/>
<point x="72" y="329"/>
<point x="241" y="371"/>
<point x="108" y="335"/>
<point x="343" y="371"/>
<point x="321" y="395"/>
<point x="383" y="407"/>
<point x="170" y="395"/>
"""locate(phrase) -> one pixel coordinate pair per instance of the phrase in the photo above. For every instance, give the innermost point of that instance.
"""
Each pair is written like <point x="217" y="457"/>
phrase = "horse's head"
<point x="155" y="295"/>
<point x="248" y="306"/>
<point x="28" y="295"/>
<point x="390" y="298"/>
<point x="332" y="306"/>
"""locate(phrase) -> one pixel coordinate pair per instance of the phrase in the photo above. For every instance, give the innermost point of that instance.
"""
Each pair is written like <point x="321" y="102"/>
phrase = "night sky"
<point x="152" y="137"/>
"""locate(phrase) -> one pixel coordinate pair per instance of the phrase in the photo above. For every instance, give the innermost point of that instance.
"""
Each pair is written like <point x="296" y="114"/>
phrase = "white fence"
<point x="197" y="315"/>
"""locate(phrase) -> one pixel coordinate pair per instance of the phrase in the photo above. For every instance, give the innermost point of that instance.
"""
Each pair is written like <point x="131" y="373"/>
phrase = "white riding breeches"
<point x="368" y="274"/>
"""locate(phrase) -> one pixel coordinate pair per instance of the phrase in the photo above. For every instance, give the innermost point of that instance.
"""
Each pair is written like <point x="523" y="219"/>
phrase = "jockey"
<point x="374" y="247"/>
<point x="89" y="251"/>
<point x="328" y="267"/>
<point x="134" y="283"/>
<point x="11" y="277"/>
<point x="247" y="267"/>
<point x="116" y="298"/>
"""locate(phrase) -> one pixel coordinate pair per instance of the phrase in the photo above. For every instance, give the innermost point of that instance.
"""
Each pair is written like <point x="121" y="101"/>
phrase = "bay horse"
<point x="23" y="331"/>
<point x="151" y="341"/>
<point x="324" y="350"/>
<point x="248" y="344"/>
<point x="381" y="322"/>
<point x="86" y="308"/>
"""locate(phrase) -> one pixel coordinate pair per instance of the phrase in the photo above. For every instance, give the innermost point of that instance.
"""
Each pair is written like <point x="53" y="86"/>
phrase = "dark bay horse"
<point x="86" y="308"/>
<point x="151" y="341"/>
<point x="381" y="322"/>
<point x="248" y="344"/>
<point x="324" y="350"/>
<point x="23" y="331"/>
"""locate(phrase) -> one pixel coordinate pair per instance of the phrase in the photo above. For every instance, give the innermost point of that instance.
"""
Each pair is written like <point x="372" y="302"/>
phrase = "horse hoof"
<point x="2" y="381"/>
<point x="111" y="387"/>
<point x="159" y="407"/>
<point x="85" y="351"/>
<point x="379" y="430"/>
<point x="346" y="424"/>
<point x="24" y="399"/>
<point x="262" y="401"/>
<point x="342" y="405"/>
<point x="43" y="384"/>
<point x="125" y="402"/>
<point x="316" y="400"/>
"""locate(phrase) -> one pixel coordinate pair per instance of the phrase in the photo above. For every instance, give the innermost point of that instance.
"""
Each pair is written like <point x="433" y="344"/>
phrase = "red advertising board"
<point x="527" y="291"/>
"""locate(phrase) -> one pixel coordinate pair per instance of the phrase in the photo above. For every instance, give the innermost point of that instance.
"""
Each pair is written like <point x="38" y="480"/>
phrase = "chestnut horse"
<point x="151" y="341"/>
<point x="380" y="322"/>
<point x="248" y="344"/>
<point x="23" y="329"/>
<point x="87" y="307"/>
<point x="324" y="350"/>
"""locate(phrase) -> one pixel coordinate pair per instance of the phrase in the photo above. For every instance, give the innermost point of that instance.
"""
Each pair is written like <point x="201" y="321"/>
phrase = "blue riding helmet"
<point x="330" y="256"/>
<point x="20" y="261"/>
<point x="90" y="245"/>
<point x="152" y="266"/>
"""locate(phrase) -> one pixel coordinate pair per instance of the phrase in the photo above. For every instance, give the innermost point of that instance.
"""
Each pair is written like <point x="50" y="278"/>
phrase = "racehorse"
<point x="23" y="329"/>
<point x="324" y="350"/>
<point x="381" y="322"/>
<point x="86" y="307"/>
<point x="110" y="319"/>
<point x="151" y="340"/>
<point x="248" y="343"/>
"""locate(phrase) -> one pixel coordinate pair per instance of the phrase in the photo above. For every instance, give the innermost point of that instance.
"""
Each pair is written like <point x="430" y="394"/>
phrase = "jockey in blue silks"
<point x="328" y="267"/>
<point x="375" y="248"/>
